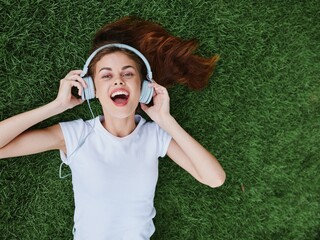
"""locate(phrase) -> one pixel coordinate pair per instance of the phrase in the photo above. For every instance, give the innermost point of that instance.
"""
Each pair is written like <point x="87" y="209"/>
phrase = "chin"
<point x="120" y="112"/>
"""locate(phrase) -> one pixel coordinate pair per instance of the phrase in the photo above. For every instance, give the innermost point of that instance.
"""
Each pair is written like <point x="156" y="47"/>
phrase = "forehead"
<point x="116" y="59"/>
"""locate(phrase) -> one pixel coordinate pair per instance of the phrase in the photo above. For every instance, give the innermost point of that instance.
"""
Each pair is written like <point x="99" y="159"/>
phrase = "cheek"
<point x="138" y="89"/>
<point x="136" y="93"/>
<point x="98" y="89"/>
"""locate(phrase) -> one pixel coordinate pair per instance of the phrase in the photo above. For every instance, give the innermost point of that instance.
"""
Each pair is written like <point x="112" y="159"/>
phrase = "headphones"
<point x="146" y="91"/>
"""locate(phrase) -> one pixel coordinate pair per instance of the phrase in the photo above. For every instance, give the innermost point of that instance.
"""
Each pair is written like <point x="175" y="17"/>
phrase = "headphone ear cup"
<point x="146" y="92"/>
<point x="88" y="93"/>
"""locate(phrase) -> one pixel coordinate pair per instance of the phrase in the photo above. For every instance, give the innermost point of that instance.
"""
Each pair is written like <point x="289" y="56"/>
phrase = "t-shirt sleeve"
<point x="73" y="132"/>
<point x="164" y="140"/>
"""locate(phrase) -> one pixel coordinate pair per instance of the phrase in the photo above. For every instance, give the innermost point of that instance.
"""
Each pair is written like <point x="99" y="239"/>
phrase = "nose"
<point x="119" y="81"/>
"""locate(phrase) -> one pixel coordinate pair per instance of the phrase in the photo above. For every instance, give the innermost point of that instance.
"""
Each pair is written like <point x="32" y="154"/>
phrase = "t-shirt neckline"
<point x="138" y="119"/>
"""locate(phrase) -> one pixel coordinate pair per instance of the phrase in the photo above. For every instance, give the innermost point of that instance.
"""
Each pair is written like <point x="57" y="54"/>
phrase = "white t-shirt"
<point x="114" y="179"/>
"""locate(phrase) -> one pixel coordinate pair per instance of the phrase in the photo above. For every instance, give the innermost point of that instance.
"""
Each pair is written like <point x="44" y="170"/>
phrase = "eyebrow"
<point x="110" y="69"/>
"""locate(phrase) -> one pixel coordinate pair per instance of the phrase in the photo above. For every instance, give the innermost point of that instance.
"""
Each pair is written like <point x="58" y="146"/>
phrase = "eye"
<point x="107" y="76"/>
<point x="127" y="75"/>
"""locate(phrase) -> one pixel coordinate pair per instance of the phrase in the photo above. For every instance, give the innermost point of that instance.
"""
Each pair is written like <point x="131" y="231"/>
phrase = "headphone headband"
<point x="122" y="46"/>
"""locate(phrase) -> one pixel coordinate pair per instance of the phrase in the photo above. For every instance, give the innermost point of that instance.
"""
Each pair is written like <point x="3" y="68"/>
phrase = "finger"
<point x="69" y="83"/>
<point x="160" y="90"/>
<point x="79" y="87"/>
<point x="74" y="72"/>
<point x="78" y="79"/>
<point x="154" y="94"/>
<point x="144" y="107"/>
<point x="155" y="84"/>
<point x="79" y="101"/>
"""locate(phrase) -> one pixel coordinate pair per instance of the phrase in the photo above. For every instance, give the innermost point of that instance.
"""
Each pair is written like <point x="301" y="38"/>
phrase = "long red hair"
<point x="172" y="59"/>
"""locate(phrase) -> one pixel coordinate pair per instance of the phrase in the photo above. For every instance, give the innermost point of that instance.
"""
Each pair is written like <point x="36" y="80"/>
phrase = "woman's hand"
<point x="160" y="110"/>
<point x="65" y="98"/>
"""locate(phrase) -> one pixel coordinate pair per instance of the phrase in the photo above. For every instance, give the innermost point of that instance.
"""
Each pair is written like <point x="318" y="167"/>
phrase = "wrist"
<point x="167" y="122"/>
<point x="57" y="107"/>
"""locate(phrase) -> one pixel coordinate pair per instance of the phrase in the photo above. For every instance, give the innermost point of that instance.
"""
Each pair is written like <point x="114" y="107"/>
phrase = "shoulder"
<point x="153" y="130"/>
<point x="74" y="132"/>
<point x="144" y="125"/>
<point x="77" y="128"/>
<point x="78" y="123"/>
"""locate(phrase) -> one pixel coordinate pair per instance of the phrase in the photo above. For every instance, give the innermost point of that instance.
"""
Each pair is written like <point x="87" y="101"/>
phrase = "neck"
<point x="119" y="127"/>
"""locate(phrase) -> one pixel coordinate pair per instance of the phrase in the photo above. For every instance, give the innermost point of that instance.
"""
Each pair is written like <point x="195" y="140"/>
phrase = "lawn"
<point x="259" y="115"/>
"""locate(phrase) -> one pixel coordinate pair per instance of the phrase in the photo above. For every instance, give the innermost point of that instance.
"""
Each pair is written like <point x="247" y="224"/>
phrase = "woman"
<point x="113" y="158"/>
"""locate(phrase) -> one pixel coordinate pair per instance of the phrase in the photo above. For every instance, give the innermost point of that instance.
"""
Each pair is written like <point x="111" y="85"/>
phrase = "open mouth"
<point x="120" y="97"/>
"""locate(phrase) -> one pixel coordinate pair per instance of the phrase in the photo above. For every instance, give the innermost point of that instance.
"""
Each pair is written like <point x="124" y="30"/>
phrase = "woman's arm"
<point x="184" y="149"/>
<point x="16" y="141"/>
<point x="14" y="126"/>
<point x="192" y="156"/>
<point x="34" y="141"/>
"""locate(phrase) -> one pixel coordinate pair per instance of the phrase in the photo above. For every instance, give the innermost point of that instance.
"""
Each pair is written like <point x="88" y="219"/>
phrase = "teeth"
<point x="119" y="93"/>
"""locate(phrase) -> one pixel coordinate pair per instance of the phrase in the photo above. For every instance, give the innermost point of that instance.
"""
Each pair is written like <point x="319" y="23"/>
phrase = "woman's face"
<point x="117" y="82"/>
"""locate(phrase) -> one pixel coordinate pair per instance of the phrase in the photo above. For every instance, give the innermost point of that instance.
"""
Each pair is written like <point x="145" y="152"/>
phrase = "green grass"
<point x="260" y="115"/>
